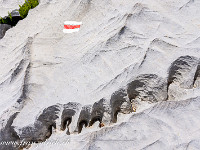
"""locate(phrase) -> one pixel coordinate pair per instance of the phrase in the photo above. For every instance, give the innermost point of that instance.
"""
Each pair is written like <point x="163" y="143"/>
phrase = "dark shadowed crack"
<point x="118" y="98"/>
<point x="42" y="128"/>
<point x="98" y="110"/>
<point x="182" y="71"/>
<point x="196" y="82"/>
<point x="8" y="134"/>
<point x="69" y="110"/>
<point x="84" y="117"/>
<point x="3" y="29"/>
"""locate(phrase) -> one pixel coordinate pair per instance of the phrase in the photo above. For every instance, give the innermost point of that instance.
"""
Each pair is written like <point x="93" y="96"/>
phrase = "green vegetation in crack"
<point x="24" y="9"/>
<point x="6" y="20"/>
<point x="10" y="16"/>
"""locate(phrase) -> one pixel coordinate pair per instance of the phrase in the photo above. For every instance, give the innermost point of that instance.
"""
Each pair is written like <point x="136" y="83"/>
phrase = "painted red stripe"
<point x="72" y="26"/>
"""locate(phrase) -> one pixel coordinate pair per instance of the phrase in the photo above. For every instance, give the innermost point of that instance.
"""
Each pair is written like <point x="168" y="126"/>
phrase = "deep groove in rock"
<point x="148" y="87"/>
<point x="66" y="123"/>
<point x="9" y="134"/>
<point x="17" y="70"/>
<point x="50" y="129"/>
<point x="95" y="119"/>
<point x="197" y="74"/>
<point x="115" y="116"/>
<point x="81" y="124"/>
<point x="182" y="74"/>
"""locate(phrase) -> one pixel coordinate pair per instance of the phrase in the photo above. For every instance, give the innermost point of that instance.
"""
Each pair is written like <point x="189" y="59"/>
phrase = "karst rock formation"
<point x="128" y="80"/>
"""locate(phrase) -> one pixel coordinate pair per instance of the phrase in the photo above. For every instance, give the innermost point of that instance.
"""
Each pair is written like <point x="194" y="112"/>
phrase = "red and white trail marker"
<point x="71" y="26"/>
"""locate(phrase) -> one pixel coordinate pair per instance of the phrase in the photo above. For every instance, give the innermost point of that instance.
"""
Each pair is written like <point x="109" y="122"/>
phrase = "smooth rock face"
<point x="3" y="29"/>
<point x="127" y="52"/>
<point x="155" y="128"/>
<point x="8" y="6"/>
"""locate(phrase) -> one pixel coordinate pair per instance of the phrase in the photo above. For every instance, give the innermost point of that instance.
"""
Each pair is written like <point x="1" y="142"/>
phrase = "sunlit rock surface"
<point x="129" y="79"/>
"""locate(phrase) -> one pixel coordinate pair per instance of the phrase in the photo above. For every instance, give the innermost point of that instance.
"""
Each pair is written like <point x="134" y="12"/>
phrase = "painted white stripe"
<point x="70" y="30"/>
<point x="72" y="23"/>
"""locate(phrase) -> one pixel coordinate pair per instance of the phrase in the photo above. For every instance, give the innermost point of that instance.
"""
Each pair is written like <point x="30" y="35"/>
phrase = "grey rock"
<point x="182" y="71"/>
<point x="197" y="77"/>
<point x="49" y="115"/>
<point x="84" y="117"/>
<point x="15" y="13"/>
<point x="38" y="133"/>
<point x="70" y="110"/>
<point x="42" y="128"/>
<point x="3" y="29"/>
<point x="99" y="111"/>
<point x="8" y="134"/>
<point x="117" y="100"/>
<point x="152" y="128"/>
<point x="15" y="17"/>
<point x="148" y="87"/>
